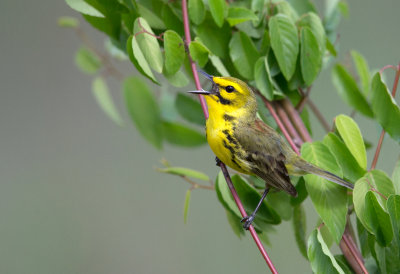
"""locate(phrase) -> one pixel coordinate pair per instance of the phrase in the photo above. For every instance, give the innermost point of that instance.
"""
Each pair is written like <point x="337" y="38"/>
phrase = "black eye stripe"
<point x="229" y="89"/>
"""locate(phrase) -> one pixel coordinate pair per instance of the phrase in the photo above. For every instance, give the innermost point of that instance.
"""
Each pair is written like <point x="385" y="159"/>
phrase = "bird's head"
<point x="229" y="95"/>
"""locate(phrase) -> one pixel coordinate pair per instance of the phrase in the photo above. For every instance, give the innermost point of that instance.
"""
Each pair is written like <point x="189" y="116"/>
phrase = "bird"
<point x="246" y="144"/>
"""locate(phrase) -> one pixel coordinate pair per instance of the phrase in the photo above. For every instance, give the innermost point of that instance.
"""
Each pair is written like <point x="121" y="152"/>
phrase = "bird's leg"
<point x="249" y="219"/>
<point x="218" y="161"/>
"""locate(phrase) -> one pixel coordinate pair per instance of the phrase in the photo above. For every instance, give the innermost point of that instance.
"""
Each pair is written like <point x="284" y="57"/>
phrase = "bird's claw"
<point x="247" y="221"/>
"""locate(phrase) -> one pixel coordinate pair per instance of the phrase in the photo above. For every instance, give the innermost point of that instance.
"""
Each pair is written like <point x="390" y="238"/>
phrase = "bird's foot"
<point x="217" y="161"/>
<point x="247" y="221"/>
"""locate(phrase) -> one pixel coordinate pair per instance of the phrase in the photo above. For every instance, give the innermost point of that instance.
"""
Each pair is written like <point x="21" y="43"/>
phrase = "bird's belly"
<point x="227" y="151"/>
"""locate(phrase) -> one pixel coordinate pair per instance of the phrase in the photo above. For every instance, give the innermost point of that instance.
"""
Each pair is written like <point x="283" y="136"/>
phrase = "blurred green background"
<point x="79" y="194"/>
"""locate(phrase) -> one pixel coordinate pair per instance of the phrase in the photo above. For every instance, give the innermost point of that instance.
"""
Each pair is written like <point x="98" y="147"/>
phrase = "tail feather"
<point x="325" y="174"/>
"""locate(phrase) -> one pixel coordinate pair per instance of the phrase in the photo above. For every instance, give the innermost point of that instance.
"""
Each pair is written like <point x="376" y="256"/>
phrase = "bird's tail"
<point x="309" y="168"/>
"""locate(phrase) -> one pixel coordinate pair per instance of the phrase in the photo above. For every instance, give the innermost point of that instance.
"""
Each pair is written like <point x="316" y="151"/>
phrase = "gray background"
<point x="79" y="194"/>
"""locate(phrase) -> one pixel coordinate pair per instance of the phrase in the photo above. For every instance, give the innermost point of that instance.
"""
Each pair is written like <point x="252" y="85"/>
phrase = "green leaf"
<point x="331" y="48"/>
<point x="171" y="20"/>
<point x="362" y="70"/>
<point x="250" y="197"/>
<point x="87" y="61"/>
<point x="105" y="101"/>
<point x="183" y="171"/>
<point x="225" y="197"/>
<point x="148" y="44"/>
<point x="378" y="219"/>
<point x="189" y="109"/>
<point x="284" y="43"/>
<point x="377" y="180"/>
<point x="351" y="169"/>
<point x="174" y="52"/>
<point x="166" y="101"/>
<point x="329" y="199"/>
<point x="393" y="207"/>
<point x="351" y="135"/>
<point x="181" y="135"/>
<point x="386" y="110"/>
<point x="299" y="226"/>
<point x="301" y="193"/>
<point x="68" y="22"/>
<point x="244" y="54"/>
<point x="115" y="50"/>
<point x="234" y="222"/>
<point x="151" y="18"/>
<point x="396" y="177"/>
<point x="199" y="53"/>
<point x="83" y="7"/>
<point x="342" y="262"/>
<point x="263" y="78"/>
<point x="217" y="63"/>
<point x="178" y="79"/>
<point x="143" y="110"/>
<point x="312" y="21"/>
<point x="214" y="38"/>
<point x="197" y="12"/>
<point x="363" y="235"/>
<point x="237" y="15"/>
<point x="186" y="206"/>
<point x="279" y="202"/>
<point x="321" y="258"/>
<point x="287" y="9"/>
<point x="310" y="56"/>
<point x="137" y="58"/>
<point x="218" y="11"/>
<point x="348" y="90"/>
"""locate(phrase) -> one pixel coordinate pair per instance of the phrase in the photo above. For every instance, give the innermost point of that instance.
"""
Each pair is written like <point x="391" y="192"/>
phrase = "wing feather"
<point x="264" y="155"/>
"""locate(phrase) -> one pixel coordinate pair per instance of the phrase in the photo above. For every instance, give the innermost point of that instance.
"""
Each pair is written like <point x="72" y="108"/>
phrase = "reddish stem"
<point x="379" y="146"/>
<point x="244" y="214"/>
<point x="280" y="125"/>
<point x="223" y="167"/>
<point x="286" y="122"/>
<point x="296" y="120"/>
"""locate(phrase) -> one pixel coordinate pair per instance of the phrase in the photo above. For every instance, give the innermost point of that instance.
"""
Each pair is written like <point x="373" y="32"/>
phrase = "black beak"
<point x="204" y="92"/>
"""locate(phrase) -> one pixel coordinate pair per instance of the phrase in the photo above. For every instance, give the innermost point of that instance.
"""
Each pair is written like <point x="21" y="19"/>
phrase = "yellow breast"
<point x="221" y="140"/>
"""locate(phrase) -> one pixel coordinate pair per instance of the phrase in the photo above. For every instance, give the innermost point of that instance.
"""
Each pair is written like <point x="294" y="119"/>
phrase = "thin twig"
<point x="288" y="124"/>
<point x="104" y="58"/>
<point x="279" y="123"/>
<point x="244" y="214"/>
<point x="222" y="166"/>
<point x="379" y="146"/>
<point x="296" y="120"/>
<point x="304" y="98"/>
<point x="319" y="115"/>
<point x="196" y="185"/>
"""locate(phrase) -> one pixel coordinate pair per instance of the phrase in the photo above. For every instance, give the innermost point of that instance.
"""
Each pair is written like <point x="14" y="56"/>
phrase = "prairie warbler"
<point x="243" y="142"/>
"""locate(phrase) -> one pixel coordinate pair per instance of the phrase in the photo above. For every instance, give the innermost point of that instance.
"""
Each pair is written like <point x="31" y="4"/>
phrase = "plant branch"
<point x="304" y="98"/>
<point x="279" y="122"/>
<point x="104" y="58"/>
<point x="222" y="166"/>
<point x="244" y="214"/>
<point x="196" y="185"/>
<point x="379" y="146"/>
<point x="287" y="123"/>
<point x="296" y="120"/>
<point x="350" y="251"/>
<point x="319" y="115"/>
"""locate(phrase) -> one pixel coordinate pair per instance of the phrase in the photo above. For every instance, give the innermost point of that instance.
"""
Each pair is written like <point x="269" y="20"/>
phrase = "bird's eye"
<point x="230" y="89"/>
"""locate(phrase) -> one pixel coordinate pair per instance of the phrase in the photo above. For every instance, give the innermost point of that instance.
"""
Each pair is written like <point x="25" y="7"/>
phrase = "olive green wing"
<point x="264" y="155"/>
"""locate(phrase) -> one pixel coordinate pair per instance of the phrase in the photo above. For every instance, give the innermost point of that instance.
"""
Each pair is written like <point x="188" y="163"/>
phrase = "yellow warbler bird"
<point x="243" y="142"/>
